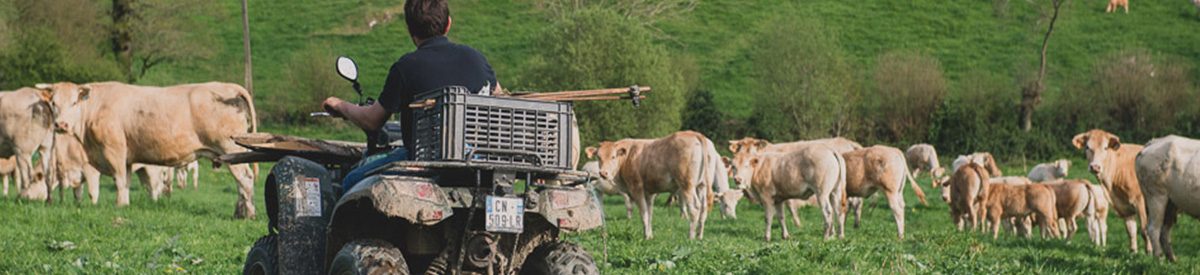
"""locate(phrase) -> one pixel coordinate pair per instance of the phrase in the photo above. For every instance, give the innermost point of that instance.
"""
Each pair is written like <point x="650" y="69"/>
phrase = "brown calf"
<point x="1018" y="201"/>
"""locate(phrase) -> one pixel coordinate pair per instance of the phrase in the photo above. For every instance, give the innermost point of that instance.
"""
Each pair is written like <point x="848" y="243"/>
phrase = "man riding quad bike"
<point x="490" y="191"/>
<point x="465" y="183"/>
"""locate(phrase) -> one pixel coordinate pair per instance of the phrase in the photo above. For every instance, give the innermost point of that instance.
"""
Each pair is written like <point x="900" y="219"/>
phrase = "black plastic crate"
<point x="462" y="126"/>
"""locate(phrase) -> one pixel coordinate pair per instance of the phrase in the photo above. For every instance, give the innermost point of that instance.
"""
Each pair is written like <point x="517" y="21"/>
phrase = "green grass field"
<point x="194" y="231"/>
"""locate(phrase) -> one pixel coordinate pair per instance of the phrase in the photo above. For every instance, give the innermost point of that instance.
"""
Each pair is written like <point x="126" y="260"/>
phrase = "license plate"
<point x="504" y="214"/>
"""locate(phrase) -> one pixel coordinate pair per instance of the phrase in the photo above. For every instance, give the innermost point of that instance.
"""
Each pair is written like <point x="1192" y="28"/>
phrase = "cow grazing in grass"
<point x="1112" y="162"/>
<point x="1004" y="201"/>
<point x="966" y="190"/>
<point x="773" y="178"/>
<point x="121" y="124"/>
<point x="646" y="167"/>
<point x="878" y="168"/>
<point x="72" y="169"/>
<point x="746" y="147"/>
<point x="1169" y="172"/>
<point x="924" y="158"/>
<point x="26" y="126"/>
<point x="1073" y="200"/>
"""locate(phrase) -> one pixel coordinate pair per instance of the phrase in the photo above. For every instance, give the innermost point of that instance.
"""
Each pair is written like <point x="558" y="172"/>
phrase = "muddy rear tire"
<point x="368" y="256"/>
<point x="559" y="257"/>
<point x="262" y="256"/>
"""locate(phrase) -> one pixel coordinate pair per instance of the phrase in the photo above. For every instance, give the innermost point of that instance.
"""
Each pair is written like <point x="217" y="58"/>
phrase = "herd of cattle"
<point x="80" y="131"/>
<point x="1147" y="186"/>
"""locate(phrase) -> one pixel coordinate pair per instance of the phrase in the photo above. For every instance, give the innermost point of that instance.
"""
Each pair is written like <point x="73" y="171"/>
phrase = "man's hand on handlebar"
<point x="332" y="106"/>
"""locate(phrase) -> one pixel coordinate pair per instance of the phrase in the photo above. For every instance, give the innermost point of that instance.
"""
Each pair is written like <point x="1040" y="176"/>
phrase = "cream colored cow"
<point x="1019" y="201"/>
<point x="1072" y="200"/>
<point x="26" y="127"/>
<point x="1112" y="162"/>
<point x="1169" y="172"/>
<point x="1050" y="171"/>
<point x="745" y="147"/>
<point x="924" y="158"/>
<point x="121" y="124"/>
<point x="878" y="168"/>
<point x="773" y="178"/>
<point x="643" y="168"/>
<point x="72" y="168"/>
<point x="1097" y="221"/>
<point x="967" y="189"/>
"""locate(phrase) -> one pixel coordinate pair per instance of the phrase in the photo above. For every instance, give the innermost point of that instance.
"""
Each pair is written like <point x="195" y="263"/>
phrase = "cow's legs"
<point x="1169" y="218"/>
<point x="995" y="218"/>
<point x="245" y="179"/>
<point x="782" y="219"/>
<point x="628" y="206"/>
<point x="1156" y="207"/>
<point x="1131" y="229"/>
<point x="93" y="182"/>
<point x="856" y="206"/>
<point x="896" y="202"/>
<point x="1093" y="230"/>
<point x="839" y="194"/>
<point x="641" y="199"/>
<point x="687" y="201"/>
<point x="769" y="209"/>
<point x="5" y="178"/>
<point x="792" y="208"/>
<point x="194" y="169"/>
<point x="1140" y="205"/>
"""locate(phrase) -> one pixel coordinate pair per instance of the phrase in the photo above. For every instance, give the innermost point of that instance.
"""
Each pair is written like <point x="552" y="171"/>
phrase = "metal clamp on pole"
<point x="635" y="94"/>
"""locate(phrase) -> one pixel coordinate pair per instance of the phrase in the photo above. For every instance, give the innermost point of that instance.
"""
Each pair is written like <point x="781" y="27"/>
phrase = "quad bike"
<point x="491" y="187"/>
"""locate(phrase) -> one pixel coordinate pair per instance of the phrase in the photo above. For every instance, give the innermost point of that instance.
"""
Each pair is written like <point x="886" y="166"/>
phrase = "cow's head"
<point x="1099" y="146"/>
<point x="987" y="161"/>
<point x="748" y="145"/>
<point x="1060" y="168"/>
<point x="743" y="170"/>
<point x="611" y="156"/>
<point x="944" y="182"/>
<point x="729" y="200"/>
<point x="66" y="100"/>
<point x="937" y="173"/>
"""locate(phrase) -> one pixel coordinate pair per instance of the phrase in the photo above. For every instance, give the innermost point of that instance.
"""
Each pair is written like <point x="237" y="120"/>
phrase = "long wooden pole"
<point x="246" y="48"/>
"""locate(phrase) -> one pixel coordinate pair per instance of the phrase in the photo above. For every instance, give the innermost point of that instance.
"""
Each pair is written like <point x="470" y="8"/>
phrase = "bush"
<point x="702" y="115"/>
<point x="596" y="48"/>
<point x="980" y="115"/>
<point x="36" y="56"/>
<point x="308" y="79"/>
<point x="1136" y="95"/>
<point x="804" y="84"/>
<point x="909" y="88"/>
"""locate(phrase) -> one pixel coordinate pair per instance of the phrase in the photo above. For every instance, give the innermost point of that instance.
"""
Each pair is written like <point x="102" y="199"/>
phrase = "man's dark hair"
<point x="426" y="18"/>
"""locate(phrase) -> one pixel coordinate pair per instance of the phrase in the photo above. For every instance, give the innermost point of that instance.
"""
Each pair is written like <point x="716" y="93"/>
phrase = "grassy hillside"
<point x="994" y="36"/>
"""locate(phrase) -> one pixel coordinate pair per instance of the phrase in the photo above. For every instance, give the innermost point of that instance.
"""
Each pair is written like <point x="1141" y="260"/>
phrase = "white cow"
<point x="1050" y="171"/>
<point x="1168" y="170"/>
<point x="25" y="127"/>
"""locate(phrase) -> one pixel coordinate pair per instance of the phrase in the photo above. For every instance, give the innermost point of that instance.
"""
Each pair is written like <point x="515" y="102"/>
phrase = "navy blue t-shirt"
<point x="435" y="64"/>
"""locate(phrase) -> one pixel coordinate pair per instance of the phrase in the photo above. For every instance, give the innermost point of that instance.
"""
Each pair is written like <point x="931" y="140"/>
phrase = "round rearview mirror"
<point x="347" y="68"/>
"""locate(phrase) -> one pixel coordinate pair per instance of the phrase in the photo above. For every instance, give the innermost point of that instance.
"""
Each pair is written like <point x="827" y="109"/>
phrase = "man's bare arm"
<point x="369" y="118"/>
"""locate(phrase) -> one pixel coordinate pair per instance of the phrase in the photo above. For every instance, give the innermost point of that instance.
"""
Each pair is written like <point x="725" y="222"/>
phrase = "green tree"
<point x="599" y="48"/>
<point x="804" y="83"/>
<point x="909" y="88"/>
